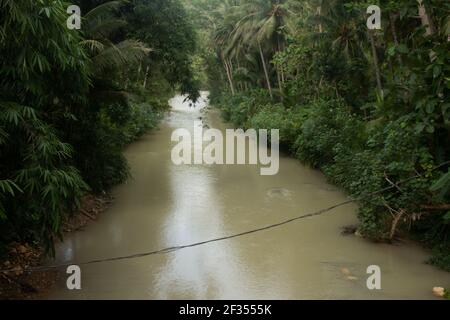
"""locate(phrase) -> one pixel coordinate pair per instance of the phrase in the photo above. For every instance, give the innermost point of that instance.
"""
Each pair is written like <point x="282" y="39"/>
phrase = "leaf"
<point x="445" y="107"/>
<point x="8" y="186"/>
<point x="391" y="51"/>
<point x="446" y="217"/>
<point x="3" y="215"/>
<point x="430" y="107"/>
<point x="402" y="48"/>
<point x="420" y="127"/>
<point x="442" y="182"/>
<point x="436" y="71"/>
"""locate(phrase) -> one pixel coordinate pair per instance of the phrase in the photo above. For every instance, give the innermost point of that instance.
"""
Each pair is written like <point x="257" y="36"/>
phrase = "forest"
<point x="72" y="99"/>
<point x="369" y="108"/>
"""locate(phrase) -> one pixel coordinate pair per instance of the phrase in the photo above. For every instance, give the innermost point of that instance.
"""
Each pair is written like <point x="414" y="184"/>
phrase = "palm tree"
<point x="343" y="29"/>
<point x="221" y="35"/>
<point x="261" y="28"/>
<point x="100" y="23"/>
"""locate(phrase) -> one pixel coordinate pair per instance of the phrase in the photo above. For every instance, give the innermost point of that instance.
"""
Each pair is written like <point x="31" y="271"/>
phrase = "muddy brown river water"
<point x="165" y="205"/>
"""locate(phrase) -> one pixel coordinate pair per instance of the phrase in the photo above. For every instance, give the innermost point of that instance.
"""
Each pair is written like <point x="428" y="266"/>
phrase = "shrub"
<point x="277" y="117"/>
<point x="41" y="187"/>
<point x="328" y="123"/>
<point x="365" y="161"/>
<point x="363" y="158"/>
<point x="238" y="109"/>
<point x="143" y="118"/>
<point x="100" y="138"/>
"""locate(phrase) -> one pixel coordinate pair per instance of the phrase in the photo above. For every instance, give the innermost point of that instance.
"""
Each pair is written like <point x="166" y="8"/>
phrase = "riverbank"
<point x="18" y="283"/>
<point x="112" y="169"/>
<point x="298" y="141"/>
<point x="361" y="159"/>
<point x="189" y="204"/>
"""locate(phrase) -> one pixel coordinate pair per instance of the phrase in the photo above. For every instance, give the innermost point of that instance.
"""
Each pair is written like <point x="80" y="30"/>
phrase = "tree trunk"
<point x="230" y="80"/>
<point x="392" y="18"/>
<point x="230" y="64"/>
<point x="279" y="69"/>
<point x="426" y="21"/>
<point x="240" y="84"/>
<point x="319" y="13"/>
<point x="139" y="71"/>
<point x="280" y="84"/>
<point x="230" y="67"/>
<point x="428" y="24"/>
<point x="266" y="73"/>
<point x="146" y="77"/>
<point x="375" y="62"/>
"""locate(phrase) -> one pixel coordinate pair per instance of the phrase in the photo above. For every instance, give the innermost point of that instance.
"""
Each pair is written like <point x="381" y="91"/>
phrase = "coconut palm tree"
<point x="261" y="27"/>
<point x="228" y="16"/>
<point x="99" y="26"/>
<point x="343" y="29"/>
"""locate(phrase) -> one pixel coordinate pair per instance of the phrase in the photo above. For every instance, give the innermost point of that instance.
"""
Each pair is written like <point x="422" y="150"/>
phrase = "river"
<point x="165" y="205"/>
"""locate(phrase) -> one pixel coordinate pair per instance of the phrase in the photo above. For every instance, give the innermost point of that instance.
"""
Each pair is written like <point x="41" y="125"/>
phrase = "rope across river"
<point x="196" y="244"/>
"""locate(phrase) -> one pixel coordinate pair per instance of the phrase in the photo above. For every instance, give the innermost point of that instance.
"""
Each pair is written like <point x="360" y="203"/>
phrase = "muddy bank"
<point x="18" y="283"/>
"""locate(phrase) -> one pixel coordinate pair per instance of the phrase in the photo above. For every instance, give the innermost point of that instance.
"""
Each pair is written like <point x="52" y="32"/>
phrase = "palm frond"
<point x="94" y="46"/>
<point x="104" y="9"/>
<point x="119" y="55"/>
<point x="103" y="28"/>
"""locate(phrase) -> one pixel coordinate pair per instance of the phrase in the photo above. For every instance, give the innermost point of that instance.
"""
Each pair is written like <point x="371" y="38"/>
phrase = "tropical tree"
<point x="100" y="25"/>
<point x="164" y="26"/>
<point x="261" y="27"/>
<point x="369" y="107"/>
<point x="44" y="75"/>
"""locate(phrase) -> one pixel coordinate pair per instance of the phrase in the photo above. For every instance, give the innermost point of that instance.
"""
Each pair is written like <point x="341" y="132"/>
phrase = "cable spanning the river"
<point x="196" y="244"/>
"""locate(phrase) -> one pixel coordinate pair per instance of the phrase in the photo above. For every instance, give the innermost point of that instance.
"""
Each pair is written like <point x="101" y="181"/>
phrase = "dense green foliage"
<point x="368" y="107"/>
<point x="70" y="100"/>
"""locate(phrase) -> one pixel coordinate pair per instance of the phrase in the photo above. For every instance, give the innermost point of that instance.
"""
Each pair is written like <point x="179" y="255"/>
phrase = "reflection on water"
<point x="166" y="205"/>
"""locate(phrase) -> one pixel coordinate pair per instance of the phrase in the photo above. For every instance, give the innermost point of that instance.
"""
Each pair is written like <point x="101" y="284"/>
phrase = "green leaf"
<point x="446" y="217"/>
<point x="436" y="71"/>
<point x="391" y="51"/>
<point x="8" y="186"/>
<point x="2" y="214"/>
<point x="420" y="127"/>
<point x="442" y="182"/>
<point x="430" y="107"/>
<point x="402" y="48"/>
